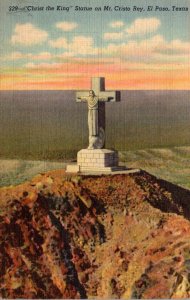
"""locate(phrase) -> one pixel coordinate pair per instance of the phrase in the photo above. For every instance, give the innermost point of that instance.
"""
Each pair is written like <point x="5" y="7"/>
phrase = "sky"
<point x="62" y="50"/>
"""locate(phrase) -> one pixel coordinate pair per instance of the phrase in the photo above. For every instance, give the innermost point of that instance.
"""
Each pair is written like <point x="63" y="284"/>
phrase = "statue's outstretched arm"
<point x="83" y="99"/>
<point x="105" y="99"/>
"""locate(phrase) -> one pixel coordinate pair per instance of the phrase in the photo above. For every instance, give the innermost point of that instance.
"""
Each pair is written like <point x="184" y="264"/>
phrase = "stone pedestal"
<point x="95" y="160"/>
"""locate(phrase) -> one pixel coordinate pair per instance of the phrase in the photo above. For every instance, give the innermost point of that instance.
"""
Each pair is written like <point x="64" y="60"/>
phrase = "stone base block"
<point x="97" y="158"/>
<point x="72" y="168"/>
<point x="96" y="161"/>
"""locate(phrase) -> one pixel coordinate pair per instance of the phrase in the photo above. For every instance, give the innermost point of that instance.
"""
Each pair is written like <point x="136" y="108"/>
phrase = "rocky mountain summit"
<point x="109" y="236"/>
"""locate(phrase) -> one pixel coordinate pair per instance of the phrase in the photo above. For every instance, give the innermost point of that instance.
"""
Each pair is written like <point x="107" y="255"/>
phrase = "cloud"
<point x="12" y="56"/>
<point x="30" y="65"/>
<point x="41" y="66"/>
<point x="117" y="24"/>
<point x="139" y="27"/>
<point x="134" y="49"/>
<point x="82" y="45"/>
<point x="16" y="55"/>
<point x="113" y="35"/>
<point x="155" y="50"/>
<point x="59" y="43"/>
<point x="41" y="56"/>
<point x="28" y="35"/>
<point x="19" y="55"/>
<point x="79" y="45"/>
<point x="65" y="55"/>
<point x="143" y="26"/>
<point x="175" y="47"/>
<point x="66" y="26"/>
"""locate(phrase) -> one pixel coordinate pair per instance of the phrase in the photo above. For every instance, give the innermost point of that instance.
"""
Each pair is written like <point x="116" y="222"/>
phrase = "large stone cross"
<point x="96" y="98"/>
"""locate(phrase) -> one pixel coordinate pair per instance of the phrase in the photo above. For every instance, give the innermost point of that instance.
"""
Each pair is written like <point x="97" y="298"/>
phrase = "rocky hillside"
<point x="121" y="236"/>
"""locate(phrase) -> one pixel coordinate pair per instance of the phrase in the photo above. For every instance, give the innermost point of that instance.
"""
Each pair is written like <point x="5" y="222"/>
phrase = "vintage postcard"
<point x="94" y="149"/>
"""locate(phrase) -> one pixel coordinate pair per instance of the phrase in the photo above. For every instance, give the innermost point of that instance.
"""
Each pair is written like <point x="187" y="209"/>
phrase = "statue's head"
<point x="91" y="93"/>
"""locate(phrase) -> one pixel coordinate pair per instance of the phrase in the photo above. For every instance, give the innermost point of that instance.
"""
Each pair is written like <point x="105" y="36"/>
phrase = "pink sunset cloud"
<point x="115" y="79"/>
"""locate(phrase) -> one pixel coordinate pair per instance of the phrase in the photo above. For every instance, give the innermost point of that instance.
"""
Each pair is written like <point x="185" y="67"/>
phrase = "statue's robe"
<point x="93" y="116"/>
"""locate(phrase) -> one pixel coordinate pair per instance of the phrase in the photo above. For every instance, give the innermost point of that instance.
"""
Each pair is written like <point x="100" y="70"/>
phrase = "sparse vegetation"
<point x="172" y="164"/>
